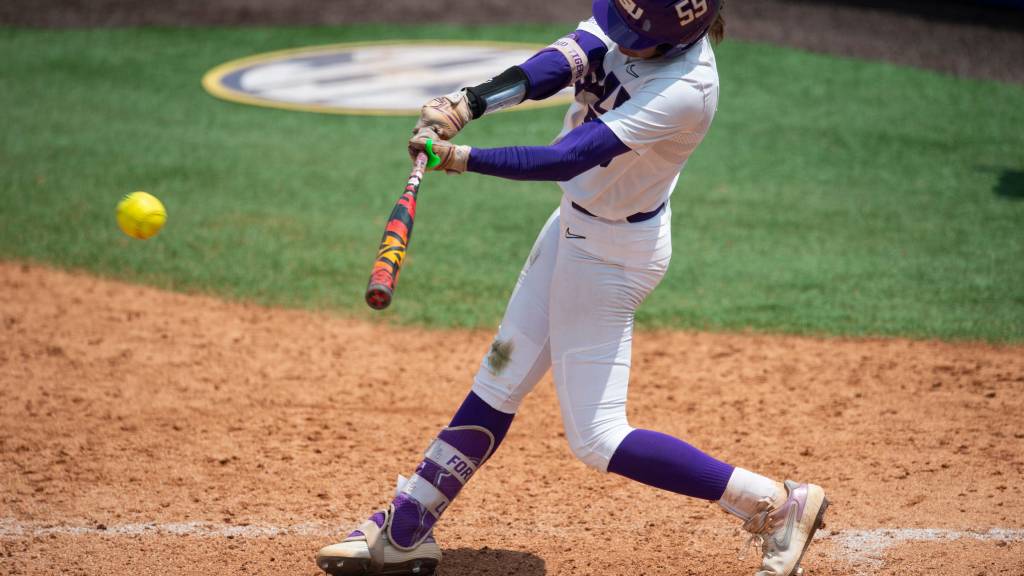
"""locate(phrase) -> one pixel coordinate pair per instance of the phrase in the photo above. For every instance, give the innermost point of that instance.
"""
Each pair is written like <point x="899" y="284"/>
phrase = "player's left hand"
<point x="445" y="115"/>
<point x="454" y="158"/>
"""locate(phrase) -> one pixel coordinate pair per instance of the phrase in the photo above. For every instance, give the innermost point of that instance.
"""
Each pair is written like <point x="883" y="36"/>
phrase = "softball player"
<point x="646" y="92"/>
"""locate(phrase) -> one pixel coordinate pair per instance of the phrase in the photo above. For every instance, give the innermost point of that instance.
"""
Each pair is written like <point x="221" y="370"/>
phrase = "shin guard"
<point x="450" y="461"/>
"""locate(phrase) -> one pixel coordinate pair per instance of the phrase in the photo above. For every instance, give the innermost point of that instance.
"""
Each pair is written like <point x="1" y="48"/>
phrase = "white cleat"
<point x="785" y="529"/>
<point x="368" y="552"/>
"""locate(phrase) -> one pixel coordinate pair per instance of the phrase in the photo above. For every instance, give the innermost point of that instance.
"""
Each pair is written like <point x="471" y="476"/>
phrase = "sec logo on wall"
<point x="371" y="78"/>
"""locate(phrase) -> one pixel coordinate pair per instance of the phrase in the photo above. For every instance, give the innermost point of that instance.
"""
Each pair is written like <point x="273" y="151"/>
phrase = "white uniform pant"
<point x="572" y="311"/>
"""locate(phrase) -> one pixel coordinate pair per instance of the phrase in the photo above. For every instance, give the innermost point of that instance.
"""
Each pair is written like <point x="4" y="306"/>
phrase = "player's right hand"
<point x="454" y="158"/>
<point x="445" y="115"/>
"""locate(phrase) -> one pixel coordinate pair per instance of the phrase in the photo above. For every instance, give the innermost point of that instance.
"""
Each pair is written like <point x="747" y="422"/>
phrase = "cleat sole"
<point x="344" y="566"/>
<point x="360" y="567"/>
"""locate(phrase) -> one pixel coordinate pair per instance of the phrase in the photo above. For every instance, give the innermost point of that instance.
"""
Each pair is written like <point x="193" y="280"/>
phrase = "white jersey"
<point x="660" y="108"/>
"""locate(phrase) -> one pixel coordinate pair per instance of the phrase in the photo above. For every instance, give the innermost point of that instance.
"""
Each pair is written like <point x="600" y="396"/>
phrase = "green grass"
<point x="832" y="196"/>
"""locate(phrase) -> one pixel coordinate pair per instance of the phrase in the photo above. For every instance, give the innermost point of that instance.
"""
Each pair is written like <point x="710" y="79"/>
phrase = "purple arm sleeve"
<point x="548" y="72"/>
<point x="586" y="146"/>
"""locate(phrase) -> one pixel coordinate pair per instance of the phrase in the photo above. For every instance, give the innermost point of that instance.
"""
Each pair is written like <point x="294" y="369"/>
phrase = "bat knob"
<point x="378" y="296"/>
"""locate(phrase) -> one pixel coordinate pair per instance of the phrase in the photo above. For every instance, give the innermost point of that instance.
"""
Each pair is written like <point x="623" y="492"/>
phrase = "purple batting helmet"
<point x="640" y="24"/>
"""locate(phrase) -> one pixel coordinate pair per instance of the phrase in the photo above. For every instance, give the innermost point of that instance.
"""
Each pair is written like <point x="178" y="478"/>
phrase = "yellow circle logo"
<point x="372" y="78"/>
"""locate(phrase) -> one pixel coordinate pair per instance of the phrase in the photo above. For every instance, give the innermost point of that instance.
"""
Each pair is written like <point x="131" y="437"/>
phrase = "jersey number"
<point x="690" y="10"/>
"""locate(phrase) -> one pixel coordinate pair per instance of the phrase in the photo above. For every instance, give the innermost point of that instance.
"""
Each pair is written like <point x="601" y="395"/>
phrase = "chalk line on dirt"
<point x="865" y="549"/>
<point x="11" y="528"/>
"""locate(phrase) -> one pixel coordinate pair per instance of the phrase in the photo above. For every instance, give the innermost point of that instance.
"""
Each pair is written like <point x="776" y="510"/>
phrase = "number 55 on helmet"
<point x="642" y="24"/>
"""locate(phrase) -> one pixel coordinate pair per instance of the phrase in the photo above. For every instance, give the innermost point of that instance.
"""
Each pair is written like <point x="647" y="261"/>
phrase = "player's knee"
<point x="513" y="365"/>
<point x="495" y="395"/>
<point x="594" y="445"/>
<point x="589" y="454"/>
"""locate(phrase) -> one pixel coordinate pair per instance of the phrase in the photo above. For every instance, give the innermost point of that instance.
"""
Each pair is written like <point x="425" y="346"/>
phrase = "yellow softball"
<point x="141" y="215"/>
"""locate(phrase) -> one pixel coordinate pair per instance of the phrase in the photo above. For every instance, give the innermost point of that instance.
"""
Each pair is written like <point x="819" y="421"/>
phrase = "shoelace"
<point x="760" y="524"/>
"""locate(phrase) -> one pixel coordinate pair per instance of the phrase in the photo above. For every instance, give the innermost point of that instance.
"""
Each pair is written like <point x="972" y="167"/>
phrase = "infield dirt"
<point x="147" y="432"/>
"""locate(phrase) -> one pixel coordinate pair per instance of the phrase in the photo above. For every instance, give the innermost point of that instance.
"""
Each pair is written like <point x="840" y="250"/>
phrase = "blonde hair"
<point x="717" y="29"/>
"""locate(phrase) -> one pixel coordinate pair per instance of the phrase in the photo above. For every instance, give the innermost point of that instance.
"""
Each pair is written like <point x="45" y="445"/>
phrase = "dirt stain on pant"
<point x="500" y="355"/>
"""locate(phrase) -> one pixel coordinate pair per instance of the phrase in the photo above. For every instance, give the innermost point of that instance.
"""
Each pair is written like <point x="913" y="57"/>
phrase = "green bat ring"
<point x="432" y="159"/>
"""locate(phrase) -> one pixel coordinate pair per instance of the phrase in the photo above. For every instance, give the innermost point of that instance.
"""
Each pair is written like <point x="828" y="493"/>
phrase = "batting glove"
<point x="445" y="115"/>
<point x="454" y="158"/>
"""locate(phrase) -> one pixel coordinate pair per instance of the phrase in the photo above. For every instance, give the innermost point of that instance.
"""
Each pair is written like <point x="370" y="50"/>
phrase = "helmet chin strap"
<point x="662" y="50"/>
<point x="674" y="49"/>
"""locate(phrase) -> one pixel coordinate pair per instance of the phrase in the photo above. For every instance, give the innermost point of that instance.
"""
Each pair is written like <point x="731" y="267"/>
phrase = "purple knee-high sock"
<point x="668" y="463"/>
<point x="475" y="412"/>
<point x="473" y="435"/>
